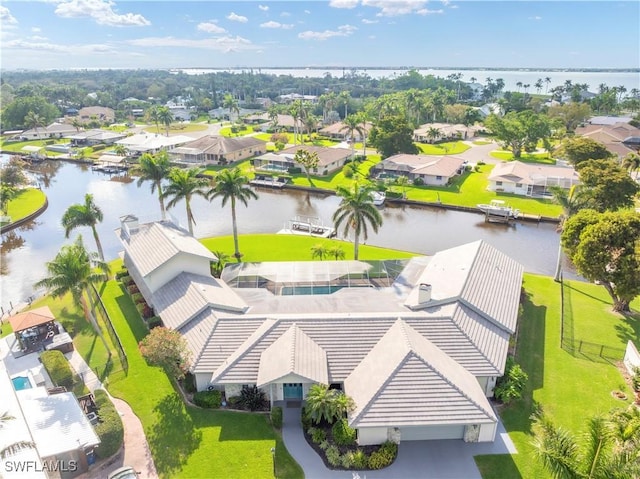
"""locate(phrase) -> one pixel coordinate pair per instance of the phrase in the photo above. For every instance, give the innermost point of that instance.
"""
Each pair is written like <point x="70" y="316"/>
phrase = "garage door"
<point x="421" y="433"/>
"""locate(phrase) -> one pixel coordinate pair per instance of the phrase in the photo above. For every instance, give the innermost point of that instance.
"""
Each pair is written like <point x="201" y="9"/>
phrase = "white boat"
<point x="308" y="226"/>
<point x="499" y="209"/>
<point x="378" y="197"/>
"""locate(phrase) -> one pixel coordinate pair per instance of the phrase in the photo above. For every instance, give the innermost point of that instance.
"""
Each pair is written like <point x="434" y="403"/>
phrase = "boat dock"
<point x="308" y="226"/>
<point x="269" y="181"/>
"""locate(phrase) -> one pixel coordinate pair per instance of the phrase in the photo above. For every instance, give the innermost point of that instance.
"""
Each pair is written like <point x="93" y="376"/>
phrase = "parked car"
<point x="124" y="472"/>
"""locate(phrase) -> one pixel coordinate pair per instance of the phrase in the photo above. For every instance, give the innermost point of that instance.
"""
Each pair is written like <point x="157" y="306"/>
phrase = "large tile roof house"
<point x="339" y="131"/>
<point x="330" y="159"/>
<point x="615" y="137"/>
<point x="432" y="170"/>
<point x="530" y="179"/>
<point x="218" y="150"/>
<point x="418" y="344"/>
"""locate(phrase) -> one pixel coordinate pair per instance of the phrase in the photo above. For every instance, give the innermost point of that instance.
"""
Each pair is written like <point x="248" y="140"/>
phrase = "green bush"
<point x="394" y="194"/>
<point x="132" y="289"/>
<point x="333" y="455"/>
<point x="346" y="460"/>
<point x="294" y="170"/>
<point x="208" y="399"/>
<point x="360" y="459"/>
<point x="343" y="435"/>
<point x="384" y="456"/>
<point x="137" y="298"/>
<point x="305" y="419"/>
<point x="418" y="182"/>
<point x="276" y="417"/>
<point x="109" y="428"/>
<point x="324" y="445"/>
<point x="121" y="274"/>
<point x="347" y="170"/>
<point x="635" y="379"/>
<point x="189" y="382"/>
<point x="145" y="311"/>
<point x="252" y="398"/>
<point x="154" y="322"/>
<point x="317" y="435"/>
<point x="511" y="385"/>
<point x="58" y="368"/>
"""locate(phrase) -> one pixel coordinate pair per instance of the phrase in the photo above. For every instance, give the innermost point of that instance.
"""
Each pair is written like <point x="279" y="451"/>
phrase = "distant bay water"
<point x="629" y="79"/>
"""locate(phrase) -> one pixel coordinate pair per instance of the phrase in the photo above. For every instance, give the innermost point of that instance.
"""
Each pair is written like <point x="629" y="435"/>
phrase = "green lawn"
<point x="470" y="188"/>
<point x="448" y="148"/>
<point x="270" y="247"/>
<point x="242" y="131"/>
<point x="186" y="441"/>
<point x="16" y="146"/>
<point x="27" y="202"/>
<point x="176" y="128"/>
<point x="540" y="157"/>
<point x="6" y="329"/>
<point x="570" y="389"/>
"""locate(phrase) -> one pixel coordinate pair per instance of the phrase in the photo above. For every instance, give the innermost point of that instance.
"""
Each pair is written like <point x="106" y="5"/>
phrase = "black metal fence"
<point x="579" y="347"/>
<point x="104" y="318"/>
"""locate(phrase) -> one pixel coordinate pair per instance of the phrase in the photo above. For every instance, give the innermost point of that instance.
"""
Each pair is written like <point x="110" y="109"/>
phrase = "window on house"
<point x="518" y="185"/>
<point x="438" y="177"/>
<point x="498" y="183"/>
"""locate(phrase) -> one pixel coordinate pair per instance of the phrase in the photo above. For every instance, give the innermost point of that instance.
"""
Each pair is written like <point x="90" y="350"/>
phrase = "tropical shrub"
<point x="360" y="459"/>
<point x="154" y="322"/>
<point x="58" y="368"/>
<point x="145" y="311"/>
<point x="122" y="274"/>
<point x="208" y="399"/>
<point x="511" y="385"/>
<point x="346" y="460"/>
<point x="252" y="398"/>
<point x="324" y="445"/>
<point x="383" y="457"/>
<point x="137" y="298"/>
<point x="343" y="435"/>
<point x="418" y="182"/>
<point x="317" y="435"/>
<point x="333" y="455"/>
<point x="347" y="170"/>
<point x="109" y="429"/>
<point x="294" y="170"/>
<point x="635" y="379"/>
<point x="189" y="382"/>
<point x="132" y="289"/>
<point x="305" y="418"/>
<point x="276" y="417"/>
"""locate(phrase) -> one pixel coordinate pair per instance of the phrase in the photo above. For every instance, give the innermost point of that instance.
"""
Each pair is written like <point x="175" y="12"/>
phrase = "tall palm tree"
<point x="33" y="121"/>
<point x="352" y="126"/>
<point x="571" y="202"/>
<point x="73" y="270"/>
<point x="232" y="185"/>
<point x="87" y="214"/>
<point x="631" y="162"/>
<point x="343" y="98"/>
<point x="153" y="114"/>
<point x="231" y="104"/>
<point x="183" y="185"/>
<point x="547" y="80"/>
<point x="362" y="121"/>
<point x="14" y="447"/>
<point x="154" y="168"/>
<point x="165" y="117"/>
<point x="357" y="212"/>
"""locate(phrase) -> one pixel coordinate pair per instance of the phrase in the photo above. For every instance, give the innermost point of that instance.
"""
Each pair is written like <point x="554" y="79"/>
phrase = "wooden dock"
<point x="269" y="182"/>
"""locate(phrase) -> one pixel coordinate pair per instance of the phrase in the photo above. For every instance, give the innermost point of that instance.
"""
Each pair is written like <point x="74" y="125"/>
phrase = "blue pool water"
<point x="21" y="382"/>
<point x="299" y="290"/>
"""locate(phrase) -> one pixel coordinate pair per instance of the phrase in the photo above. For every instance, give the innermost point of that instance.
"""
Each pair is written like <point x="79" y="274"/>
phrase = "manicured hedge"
<point x="58" y="368"/>
<point x="109" y="429"/>
<point x="276" y="417"/>
<point x="208" y="399"/>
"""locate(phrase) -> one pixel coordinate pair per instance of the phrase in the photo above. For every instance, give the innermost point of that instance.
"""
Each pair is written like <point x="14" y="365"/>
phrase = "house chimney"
<point x="129" y="225"/>
<point x="424" y="293"/>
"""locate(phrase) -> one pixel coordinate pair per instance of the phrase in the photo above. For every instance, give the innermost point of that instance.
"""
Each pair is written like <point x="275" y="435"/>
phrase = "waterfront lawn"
<point x="242" y="131"/>
<point x="16" y="146"/>
<point x="176" y="128"/>
<point x="447" y="148"/>
<point x="538" y="157"/>
<point x="6" y="329"/>
<point x="274" y="247"/>
<point x="27" y="202"/>
<point x="186" y="441"/>
<point x="337" y="178"/>
<point x="470" y="189"/>
<point x="570" y="389"/>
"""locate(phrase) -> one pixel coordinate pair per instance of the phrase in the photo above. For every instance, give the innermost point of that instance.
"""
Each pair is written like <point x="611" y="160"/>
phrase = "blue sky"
<point x="216" y="34"/>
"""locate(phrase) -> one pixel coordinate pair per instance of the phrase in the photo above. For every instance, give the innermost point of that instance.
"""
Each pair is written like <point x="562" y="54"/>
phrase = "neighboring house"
<point x="446" y="132"/>
<point x="284" y="122"/>
<point x="616" y="137"/>
<point x="218" y="150"/>
<point x="609" y="120"/>
<point x="101" y="113"/>
<point x="338" y="131"/>
<point x="152" y="142"/>
<point x="530" y="179"/>
<point x="55" y="130"/>
<point x="432" y="170"/>
<point x="180" y="111"/>
<point x="490" y="109"/>
<point x="94" y="137"/>
<point x="55" y="424"/>
<point x="418" y="343"/>
<point x="329" y="159"/>
<point x="291" y="97"/>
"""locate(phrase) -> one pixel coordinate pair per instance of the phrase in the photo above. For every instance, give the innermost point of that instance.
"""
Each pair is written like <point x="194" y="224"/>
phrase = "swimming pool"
<point x="21" y="382"/>
<point x="300" y="290"/>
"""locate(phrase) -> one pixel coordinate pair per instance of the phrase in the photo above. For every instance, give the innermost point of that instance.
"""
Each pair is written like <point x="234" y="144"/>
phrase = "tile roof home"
<point x="530" y="179"/>
<point x="100" y="113"/>
<point x="152" y="143"/>
<point x="419" y="362"/>
<point x="95" y="137"/>
<point x="339" y="130"/>
<point x="446" y="131"/>
<point x="54" y="130"/>
<point x="612" y="136"/>
<point x="329" y="159"/>
<point x="432" y="170"/>
<point x="216" y="150"/>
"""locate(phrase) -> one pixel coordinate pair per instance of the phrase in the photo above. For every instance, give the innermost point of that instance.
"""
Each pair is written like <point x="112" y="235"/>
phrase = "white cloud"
<point x="36" y="38"/>
<point x="101" y="11"/>
<point x="237" y="18"/>
<point x="285" y="14"/>
<point x="426" y="11"/>
<point x="308" y="12"/>
<point x="264" y="8"/>
<point x="343" y="3"/>
<point x="40" y="46"/>
<point x="369" y="22"/>
<point x="36" y="29"/>
<point x="6" y="18"/>
<point x="224" y="44"/>
<point x="272" y="24"/>
<point x="535" y="18"/>
<point x="372" y="37"/>
<point x="394" y="8"/>
<point x="342" y="31"/>
<point x="210" y="27"/>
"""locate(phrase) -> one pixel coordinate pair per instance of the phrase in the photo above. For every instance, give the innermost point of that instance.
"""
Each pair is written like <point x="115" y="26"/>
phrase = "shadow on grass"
<point x="568" y="285"/>
<point x="630" y="329"/>
<point x="173" y="437"/>
<point x="234" y="426"/>
<point x="131" y="315"/>
<point x="498" y="466"/>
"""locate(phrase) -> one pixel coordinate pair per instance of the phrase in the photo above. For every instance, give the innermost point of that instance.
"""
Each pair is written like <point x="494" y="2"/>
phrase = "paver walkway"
<point x="452" y="459"/>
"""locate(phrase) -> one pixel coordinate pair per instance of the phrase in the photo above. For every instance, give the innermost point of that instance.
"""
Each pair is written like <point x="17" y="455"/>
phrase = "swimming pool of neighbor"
<point x="300" y="290"/>
<point x="21" y="382"/>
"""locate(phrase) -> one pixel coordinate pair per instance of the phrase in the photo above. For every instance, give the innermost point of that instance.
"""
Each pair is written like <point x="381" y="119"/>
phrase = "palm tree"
<point x="33" y="121"/>
<point x="402" y="181"/>
<point x="356" y="212"/>
<point x="232" y="185"/>
<point x="319" y="251"/>
<point x="87" y="214"/>
<point x="120" y="150"/>
<point x="547" y="80"/>
<point x="433" y="133"/>
<point x="165" y="117"/>
<point x="344" y="97"/>
<point x="336" y="251"/>
<point x="230" y="103"/>
<point x="571" y="202"/>
<point x="73" y="270"/>
<point x="328" y="404"/>
<point x="218" y="266"/>
<point x="15" y="447"/>
<point x="154" y="168"/>
<point x="352" y="126"/>
<point x="183" y="185"/>
<point x="362" y="120"/>
<point x="631" y="162"/>
<point x="153" y="115"/>
<point x="538" y="85"/>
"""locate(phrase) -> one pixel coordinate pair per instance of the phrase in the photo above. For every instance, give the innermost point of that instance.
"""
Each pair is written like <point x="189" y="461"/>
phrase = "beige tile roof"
<point x="338" y="128"/>
<point x="446" y="166"/>
<point x="186" y="295"/>
<point x="293" y="353"/>
<point x="480" y="276"/>
<point x="406" y="380"/>
<point x="156" y="243"/>
<point x="530" y="173"/>
<point x="326" y="155"/>
<point x="222" y="145"/>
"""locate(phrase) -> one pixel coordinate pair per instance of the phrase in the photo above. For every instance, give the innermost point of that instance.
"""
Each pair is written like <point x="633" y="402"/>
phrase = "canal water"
<point x="25" y="250"/>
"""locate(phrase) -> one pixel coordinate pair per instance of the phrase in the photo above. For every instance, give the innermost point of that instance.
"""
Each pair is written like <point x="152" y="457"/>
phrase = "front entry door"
<point x="292" y="390"/>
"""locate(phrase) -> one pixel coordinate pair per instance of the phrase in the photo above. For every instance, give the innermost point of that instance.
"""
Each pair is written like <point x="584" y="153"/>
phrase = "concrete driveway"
<point x="451" y="459"/>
